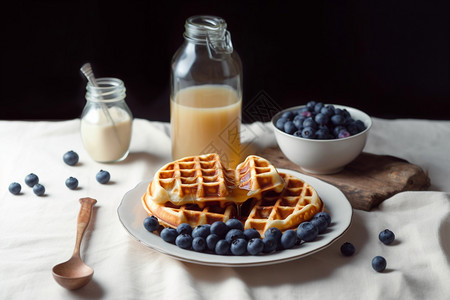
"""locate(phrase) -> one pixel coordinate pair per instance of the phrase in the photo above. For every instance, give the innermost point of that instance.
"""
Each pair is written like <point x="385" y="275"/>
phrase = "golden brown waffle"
<point x="199" y="190"/>
<point x="297" y="203"/>
<point x="196" y="179"/>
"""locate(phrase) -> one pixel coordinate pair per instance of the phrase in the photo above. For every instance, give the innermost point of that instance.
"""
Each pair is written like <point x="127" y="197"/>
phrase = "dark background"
<point x="388" y="58"/>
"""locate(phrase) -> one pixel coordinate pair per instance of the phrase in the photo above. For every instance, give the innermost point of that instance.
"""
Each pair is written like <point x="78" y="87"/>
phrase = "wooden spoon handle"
<point x="84" y="217"/>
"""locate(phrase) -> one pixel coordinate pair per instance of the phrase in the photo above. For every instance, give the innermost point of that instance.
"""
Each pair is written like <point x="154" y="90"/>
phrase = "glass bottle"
<point x="106" y="121"/>
<point x="206" y="92"/>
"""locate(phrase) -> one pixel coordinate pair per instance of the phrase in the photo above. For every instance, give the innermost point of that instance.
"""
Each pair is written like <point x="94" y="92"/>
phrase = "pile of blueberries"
<point x="230" y="238"/>
<point x="70" y="158"/>
<point x="319" y="121"/>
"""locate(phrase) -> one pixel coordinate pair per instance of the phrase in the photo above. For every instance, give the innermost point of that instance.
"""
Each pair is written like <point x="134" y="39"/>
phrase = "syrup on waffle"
<point x="257" y="175"/>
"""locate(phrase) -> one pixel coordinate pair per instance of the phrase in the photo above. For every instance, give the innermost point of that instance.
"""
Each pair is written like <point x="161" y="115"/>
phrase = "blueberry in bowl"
<point x="326" y="137"/>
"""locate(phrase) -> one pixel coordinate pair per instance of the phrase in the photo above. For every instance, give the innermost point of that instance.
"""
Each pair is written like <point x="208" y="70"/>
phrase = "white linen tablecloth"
<point x="39" y="232"/>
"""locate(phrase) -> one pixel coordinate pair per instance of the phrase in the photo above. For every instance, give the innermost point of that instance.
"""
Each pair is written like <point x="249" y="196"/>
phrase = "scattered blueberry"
<point x="386" y="236"/>
<point x="307" y="231"/>
<point x="72" y="183"/>
<point x="184" y="228"/>
<point x="347" y="249"/>
<point x="211" y="241"/>
<point x="288" y="239"/>
<point x="235" y="224"/>
<point x="201" y="231"/>
<point x="238" y="246"/>
<point x="169" y="235"/>
<point x="38" y="189"/>
<point x="103" y="176"/>
<point x="319" y="121"/>
<point x="379" y="263"/>
<point x="14" y="188"/>
<point x="70" y="158"/>
<point x="31" y="179"/>
<point x="219" y="228"/>
<point x="255" y="246"/>
<point x="234" y="234"/>
<point x="199" y="244"/>
<point x="151" y="223"/>
<point x="251" y="233"/>
<point x="184" y="241"/>
<point x="270" y="244"/>
<point x="222" y="247"/>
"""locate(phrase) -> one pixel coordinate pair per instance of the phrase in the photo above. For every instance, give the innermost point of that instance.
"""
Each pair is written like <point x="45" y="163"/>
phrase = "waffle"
<point x="195" y="179"/>
<point x="257" y="175"/>
<point x="297" y="203"/>
<point x="199" y="190"/>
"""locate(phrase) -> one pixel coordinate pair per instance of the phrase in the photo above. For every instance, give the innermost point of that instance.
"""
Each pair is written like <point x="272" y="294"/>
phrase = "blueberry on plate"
<point x="72" y="183"/>
<point x="151" y="223"/>
<point x="184" y="228"/>
<point x="288" y="239"/>
<point x="251" y="233"/>
<point x="219" y="228"/>
<point x="320" y="222"/>
<point x="270" y="244"/>
<point x="347" y="249"/>
<point x="169" y="235"/>
<point x="379" y="263"/>
<point x="14" y="188"/>
<point x="255" y="246"/>
<point x="324" y="215"/>
<point x="184" y="241"/>
<point x="103" y="176"/>
<point x="222" y="247"/>
<point x="39" y="189"/>
<point x="211" y="241"/>
<point x="70" y="158"/>
<point x="234" y="234"/>
<point x="307" y="231"/>
<point x="31" y="179"/>
<point x="201" y="231"/>
<point x="235" y="224"/>
<point x="274" y="233"/>
<point x="238" y="246"/>
<point x="199" y="244"/>
<point x="386" y="236"/>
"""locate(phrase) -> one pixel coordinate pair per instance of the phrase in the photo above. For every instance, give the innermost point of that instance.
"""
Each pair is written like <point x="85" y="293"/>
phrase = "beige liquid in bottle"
<point x="206" y="119"/>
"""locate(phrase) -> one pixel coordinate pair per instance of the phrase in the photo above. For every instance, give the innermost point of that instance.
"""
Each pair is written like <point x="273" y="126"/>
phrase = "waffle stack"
<point x="200" y="190"/>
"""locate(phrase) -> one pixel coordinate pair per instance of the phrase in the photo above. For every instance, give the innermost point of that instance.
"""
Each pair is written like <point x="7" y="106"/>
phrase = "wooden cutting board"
<point x="368" y="180"/>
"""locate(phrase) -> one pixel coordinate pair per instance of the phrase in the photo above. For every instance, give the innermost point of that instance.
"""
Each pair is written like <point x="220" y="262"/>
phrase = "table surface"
<point x="39" y="232"/>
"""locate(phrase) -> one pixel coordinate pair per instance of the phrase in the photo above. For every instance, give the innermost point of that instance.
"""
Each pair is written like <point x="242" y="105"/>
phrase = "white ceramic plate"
<point x="132" y="214"/>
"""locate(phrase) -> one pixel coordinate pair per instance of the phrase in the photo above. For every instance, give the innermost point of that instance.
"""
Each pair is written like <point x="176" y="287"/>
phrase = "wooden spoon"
<point x="74" y="273"/>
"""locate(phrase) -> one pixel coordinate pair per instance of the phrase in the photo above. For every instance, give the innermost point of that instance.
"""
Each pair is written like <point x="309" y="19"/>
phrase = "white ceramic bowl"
<point x="323" y="156"/>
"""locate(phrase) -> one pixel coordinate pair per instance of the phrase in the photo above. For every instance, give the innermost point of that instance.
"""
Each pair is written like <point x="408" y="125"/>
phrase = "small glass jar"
<point x="206" y="92"/>
<point x="106" y="121"/>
